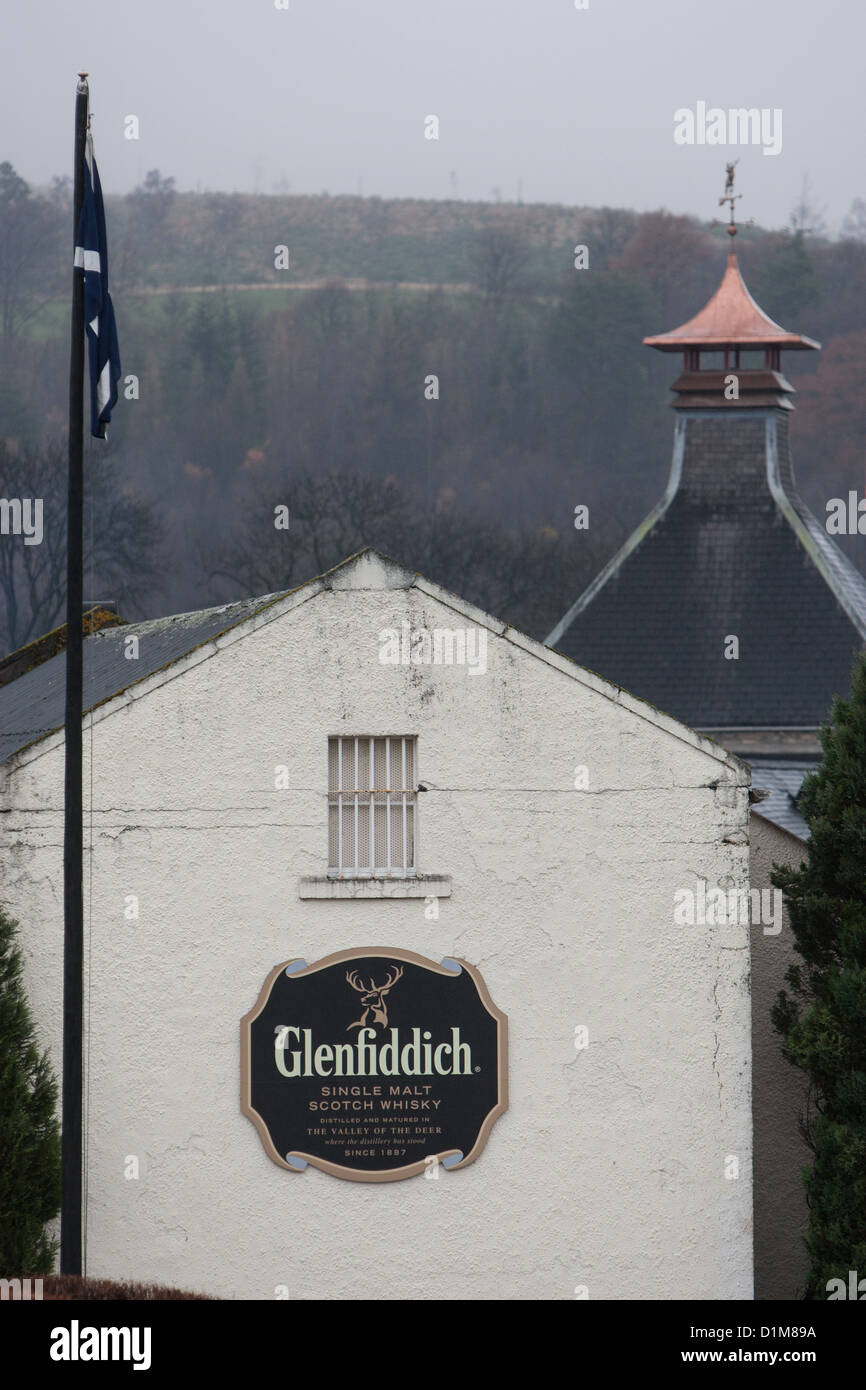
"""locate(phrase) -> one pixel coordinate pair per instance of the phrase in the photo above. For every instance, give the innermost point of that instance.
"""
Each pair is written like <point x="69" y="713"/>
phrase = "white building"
<point x="550" y="819"/>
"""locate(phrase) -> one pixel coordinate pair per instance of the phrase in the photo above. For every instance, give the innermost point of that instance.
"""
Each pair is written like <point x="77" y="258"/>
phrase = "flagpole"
<point x="73" y="818"/>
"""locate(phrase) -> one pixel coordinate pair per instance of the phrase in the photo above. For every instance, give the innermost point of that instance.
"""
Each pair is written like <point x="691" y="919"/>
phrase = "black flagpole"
<point x="73" y="822"/>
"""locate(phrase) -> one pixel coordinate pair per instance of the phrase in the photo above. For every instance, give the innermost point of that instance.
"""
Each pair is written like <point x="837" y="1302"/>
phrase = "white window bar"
<point x="403" y="742"/>
<point x="372" y="798"/>
<point x="395" y="860"/>
<point x="340" y="801"/>
<point x="388" y="799"/>
<point x="357" y="796"/>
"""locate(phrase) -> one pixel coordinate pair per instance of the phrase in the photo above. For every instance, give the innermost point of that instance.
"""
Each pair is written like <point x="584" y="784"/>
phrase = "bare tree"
<point x="122" y="549"/>
<point x="154" y="197"/>
<point x="499" y="258"/>
<point x="330" y="516"/>
<point x="854" y="224"/>
<point x="527" y="576"/>
<point x="807" y="217"/>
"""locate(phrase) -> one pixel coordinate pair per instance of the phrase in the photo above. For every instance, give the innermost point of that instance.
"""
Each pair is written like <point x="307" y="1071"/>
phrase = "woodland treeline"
<point x="449" y="391"/>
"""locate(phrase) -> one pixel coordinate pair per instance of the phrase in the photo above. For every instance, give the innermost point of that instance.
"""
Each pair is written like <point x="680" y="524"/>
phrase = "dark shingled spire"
<point x="730" y="550"/>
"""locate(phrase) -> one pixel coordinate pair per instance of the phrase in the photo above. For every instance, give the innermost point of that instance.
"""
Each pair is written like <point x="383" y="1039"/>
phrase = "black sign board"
<point x="374" y="1064"/>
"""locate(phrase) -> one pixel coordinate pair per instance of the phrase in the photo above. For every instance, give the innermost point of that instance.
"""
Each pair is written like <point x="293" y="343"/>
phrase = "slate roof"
<point x="34" y="704"/>
<point x="730" y="550"/>
<point x="783" y="781"/>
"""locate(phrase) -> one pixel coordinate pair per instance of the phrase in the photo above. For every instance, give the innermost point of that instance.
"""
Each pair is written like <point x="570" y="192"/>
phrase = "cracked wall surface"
<point x="608" y="1169"/>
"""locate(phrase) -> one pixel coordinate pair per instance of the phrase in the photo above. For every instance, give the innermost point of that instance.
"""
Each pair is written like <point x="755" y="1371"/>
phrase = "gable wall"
<point x="607" y="1171"/>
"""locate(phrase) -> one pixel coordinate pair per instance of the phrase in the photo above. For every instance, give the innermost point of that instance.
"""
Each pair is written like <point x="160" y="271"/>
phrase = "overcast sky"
<point x="532" y="96"/>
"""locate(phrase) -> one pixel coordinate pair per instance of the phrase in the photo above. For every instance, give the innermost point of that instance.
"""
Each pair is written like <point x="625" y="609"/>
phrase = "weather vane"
<point x="729" y="195"/>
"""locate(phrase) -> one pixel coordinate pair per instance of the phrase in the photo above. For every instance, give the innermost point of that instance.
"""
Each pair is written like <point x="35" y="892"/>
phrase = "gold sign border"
<point x="410" y="1169"/>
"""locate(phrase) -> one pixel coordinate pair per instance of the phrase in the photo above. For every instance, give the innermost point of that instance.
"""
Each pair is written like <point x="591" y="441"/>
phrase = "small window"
<point x="371" y="807"/>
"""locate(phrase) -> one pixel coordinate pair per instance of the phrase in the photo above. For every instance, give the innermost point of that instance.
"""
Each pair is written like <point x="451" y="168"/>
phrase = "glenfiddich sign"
<point x="374" y="1064"/>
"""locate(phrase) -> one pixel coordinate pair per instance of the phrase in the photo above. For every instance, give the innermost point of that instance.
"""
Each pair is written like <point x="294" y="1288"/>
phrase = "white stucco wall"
<point x="608" y="1170"/>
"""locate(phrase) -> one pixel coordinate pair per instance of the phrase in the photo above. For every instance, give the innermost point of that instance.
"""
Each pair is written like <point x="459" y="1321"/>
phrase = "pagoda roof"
<point x="730" y="319"/>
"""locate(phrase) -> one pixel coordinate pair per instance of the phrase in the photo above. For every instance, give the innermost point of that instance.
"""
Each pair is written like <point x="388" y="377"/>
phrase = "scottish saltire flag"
<point x="91" y="256"/>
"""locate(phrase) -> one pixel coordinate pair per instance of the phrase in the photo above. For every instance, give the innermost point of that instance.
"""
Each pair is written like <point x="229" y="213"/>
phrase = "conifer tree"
<point x="823" y="1020"/>
<point x="29" y="1131"/>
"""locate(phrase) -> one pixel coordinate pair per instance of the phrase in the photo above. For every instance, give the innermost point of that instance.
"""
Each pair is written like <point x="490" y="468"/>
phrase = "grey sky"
<point x="576" y="105"/>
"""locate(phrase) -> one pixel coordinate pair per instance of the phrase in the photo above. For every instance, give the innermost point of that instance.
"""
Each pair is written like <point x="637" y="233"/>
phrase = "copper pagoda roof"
<point x="730" y="319"/>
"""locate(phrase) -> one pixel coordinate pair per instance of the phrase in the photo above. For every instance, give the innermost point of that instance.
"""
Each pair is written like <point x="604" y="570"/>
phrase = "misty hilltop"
<point x="446" y="380"/>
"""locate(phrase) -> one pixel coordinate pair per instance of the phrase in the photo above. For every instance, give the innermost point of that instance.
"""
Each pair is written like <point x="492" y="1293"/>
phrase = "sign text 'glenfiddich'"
<point x="365" y="1058"/>
<point x="442" y="1025"/>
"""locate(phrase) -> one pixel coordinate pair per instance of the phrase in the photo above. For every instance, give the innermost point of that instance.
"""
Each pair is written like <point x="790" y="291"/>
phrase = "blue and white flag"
<point x="91" y="256"/>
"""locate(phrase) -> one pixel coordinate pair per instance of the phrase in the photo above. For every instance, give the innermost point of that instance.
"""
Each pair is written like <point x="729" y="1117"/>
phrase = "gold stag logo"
<point x="373" y="997"/>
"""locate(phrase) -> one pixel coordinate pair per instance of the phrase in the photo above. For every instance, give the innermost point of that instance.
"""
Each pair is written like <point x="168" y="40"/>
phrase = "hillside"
<point x="256" y="385"/>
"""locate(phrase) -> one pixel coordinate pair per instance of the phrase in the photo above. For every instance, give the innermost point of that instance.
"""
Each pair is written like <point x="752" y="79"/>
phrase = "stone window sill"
<point x="421" y="886"/>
